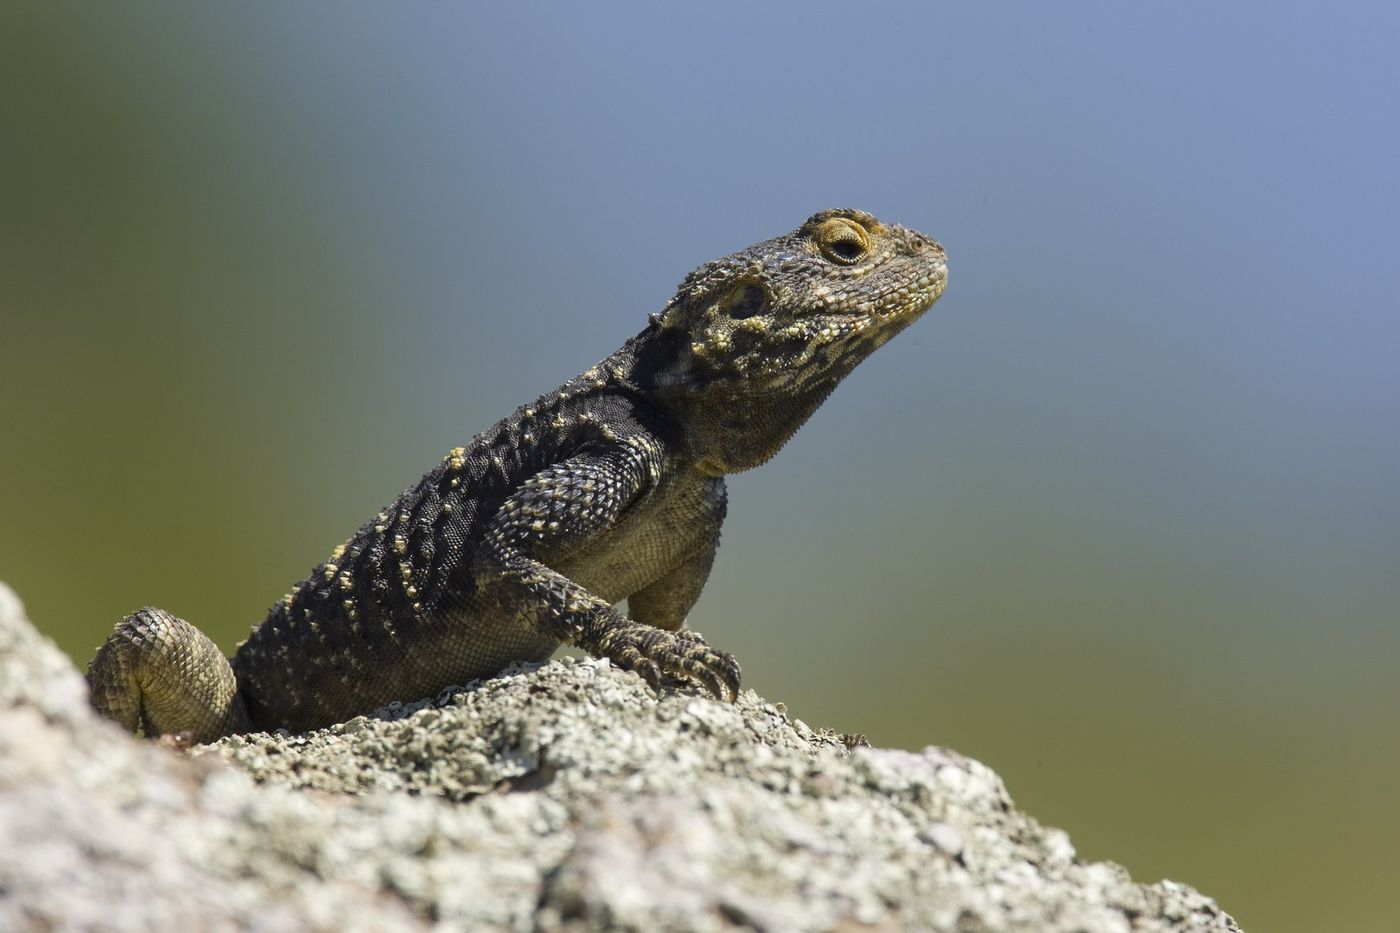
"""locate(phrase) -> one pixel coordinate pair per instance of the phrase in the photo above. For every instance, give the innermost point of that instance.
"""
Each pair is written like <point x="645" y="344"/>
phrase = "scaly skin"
<point x="611" y="487"/>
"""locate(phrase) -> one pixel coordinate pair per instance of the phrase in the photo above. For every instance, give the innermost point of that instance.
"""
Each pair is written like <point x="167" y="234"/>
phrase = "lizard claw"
<point x="629" y="658"/>
<point x="650" y="673"/>
<point x="717" y="671"/>
<point x="722" y="687"/>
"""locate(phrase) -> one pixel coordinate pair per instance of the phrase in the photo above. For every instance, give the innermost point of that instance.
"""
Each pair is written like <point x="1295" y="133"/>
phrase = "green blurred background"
<point x="1119" y="517"/>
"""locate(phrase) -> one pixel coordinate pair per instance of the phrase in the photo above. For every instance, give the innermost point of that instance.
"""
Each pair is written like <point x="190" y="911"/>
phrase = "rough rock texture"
<point x="557" y="797"/>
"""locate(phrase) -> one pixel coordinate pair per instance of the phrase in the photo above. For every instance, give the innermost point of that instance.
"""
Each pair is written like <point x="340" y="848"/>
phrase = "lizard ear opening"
<point x="746" y="301"/>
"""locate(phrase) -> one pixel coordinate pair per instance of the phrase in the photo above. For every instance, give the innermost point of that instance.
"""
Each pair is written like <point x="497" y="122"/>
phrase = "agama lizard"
<point x="611" y="487"/>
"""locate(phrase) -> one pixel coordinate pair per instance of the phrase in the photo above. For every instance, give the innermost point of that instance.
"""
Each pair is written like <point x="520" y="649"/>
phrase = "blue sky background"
<point x="1119" y="517"/>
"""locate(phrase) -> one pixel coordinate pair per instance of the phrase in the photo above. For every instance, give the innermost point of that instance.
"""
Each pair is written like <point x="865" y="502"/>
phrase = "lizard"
<point x="611" y="487"/>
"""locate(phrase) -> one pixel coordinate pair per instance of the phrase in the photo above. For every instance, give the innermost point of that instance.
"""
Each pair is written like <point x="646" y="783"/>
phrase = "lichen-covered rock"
<point x="558" y="797"/>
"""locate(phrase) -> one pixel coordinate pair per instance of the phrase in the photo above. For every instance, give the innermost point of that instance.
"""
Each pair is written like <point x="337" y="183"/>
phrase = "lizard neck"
<point x="724" y="429"/>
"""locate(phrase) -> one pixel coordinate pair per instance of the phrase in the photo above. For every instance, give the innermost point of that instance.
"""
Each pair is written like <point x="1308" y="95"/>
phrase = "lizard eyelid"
<point x="842" y="241"/>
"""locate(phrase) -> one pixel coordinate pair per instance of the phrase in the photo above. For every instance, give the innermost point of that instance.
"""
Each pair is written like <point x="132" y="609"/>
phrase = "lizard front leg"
<point x="560" y="511"/>
<point x="666" y="602"/>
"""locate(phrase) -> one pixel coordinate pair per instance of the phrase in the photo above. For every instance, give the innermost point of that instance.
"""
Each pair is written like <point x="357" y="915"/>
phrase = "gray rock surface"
<point x="557" y="797"/>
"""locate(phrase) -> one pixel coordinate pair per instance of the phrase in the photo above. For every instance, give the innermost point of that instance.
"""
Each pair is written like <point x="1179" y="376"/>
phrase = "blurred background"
<point x="1119" y="517"/>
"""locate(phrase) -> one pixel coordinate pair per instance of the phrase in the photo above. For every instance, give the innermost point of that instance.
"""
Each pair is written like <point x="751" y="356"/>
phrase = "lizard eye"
<point x="842" y="241"/>
<point x="747" y="300"/>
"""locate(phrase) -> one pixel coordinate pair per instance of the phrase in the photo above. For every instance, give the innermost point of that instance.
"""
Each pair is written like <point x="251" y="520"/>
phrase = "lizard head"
<point x="763" y="336"/>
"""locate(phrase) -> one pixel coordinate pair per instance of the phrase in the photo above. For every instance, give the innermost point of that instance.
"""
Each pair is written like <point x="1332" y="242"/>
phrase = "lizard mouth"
<point x="925" y="290"/>
<point x="931" y="275"/>
<point x="907" y="297"/>
<point x="889" y="310"/>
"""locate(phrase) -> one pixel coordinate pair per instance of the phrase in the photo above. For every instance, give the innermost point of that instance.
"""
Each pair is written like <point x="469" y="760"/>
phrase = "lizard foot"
<point x="652" y="652"/>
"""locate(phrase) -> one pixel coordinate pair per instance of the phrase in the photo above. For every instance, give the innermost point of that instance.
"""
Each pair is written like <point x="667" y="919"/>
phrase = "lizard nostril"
<point x="921" y="243"/>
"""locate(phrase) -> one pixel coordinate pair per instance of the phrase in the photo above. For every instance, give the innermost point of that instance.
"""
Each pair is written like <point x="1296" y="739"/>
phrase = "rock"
<point x="563" y="796"/>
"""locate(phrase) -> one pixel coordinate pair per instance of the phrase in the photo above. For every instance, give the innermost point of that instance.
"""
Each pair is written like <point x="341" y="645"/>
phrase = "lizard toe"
<point x="717" y="671"/>
<point x="650" y="672"/>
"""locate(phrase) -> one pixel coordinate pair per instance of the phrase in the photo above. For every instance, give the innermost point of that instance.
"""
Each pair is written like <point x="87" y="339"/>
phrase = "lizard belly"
<point x="309" y="686"/>
<point x="444" y="657"/>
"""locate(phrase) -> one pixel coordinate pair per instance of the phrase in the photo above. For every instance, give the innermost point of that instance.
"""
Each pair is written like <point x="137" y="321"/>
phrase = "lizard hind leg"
<point x="160" y="673"/>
